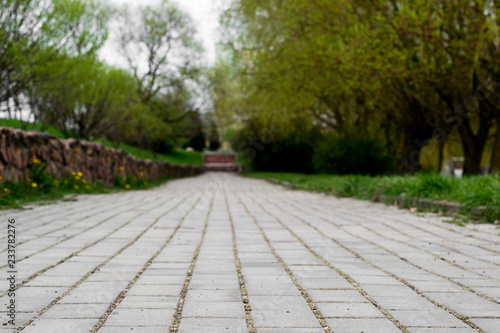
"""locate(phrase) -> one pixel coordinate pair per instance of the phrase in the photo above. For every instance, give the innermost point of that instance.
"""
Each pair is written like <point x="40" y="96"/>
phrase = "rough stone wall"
<point x="19" y="148"/>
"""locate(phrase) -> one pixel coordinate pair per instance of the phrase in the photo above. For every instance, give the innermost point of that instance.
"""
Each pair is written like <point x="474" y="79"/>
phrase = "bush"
<point x="197" y="142"/>
<point x="350" y="154"/>
<point x="287" y="154"/>
<point x="165" y="146"/>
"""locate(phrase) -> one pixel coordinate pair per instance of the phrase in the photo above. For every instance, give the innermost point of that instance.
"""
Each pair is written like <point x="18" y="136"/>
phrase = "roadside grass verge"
<point x="470" y="192"/>
<point x="46" y="189"/>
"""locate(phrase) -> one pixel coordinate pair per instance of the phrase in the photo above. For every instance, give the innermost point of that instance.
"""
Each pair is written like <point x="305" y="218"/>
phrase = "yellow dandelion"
<point x="77" y="177"/>
<point x="141" y="173"/>
<point x="122" y="168"/>
<point x="80" y="174"/>
<point x="6" y="190"/>
<point x="37" y="161"/>
<point x="73" y="173"/>
<point x="127" y="186"/>
<point x="84" y="181"/>
<point x="34" y="185"/>
<point x="1" y="177"/>
<point x="76" y="187"/>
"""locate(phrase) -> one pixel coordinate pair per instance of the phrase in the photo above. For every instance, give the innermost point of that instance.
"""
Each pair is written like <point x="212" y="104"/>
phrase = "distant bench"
<point x="220" y="162"/>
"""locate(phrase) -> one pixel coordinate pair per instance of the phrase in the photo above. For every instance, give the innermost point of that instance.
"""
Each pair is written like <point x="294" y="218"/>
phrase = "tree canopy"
<point x="409" y="72"/>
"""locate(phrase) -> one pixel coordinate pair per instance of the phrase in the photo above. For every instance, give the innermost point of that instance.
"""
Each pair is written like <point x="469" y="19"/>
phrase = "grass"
<point x="178" y="156"/>
<point x="470" y="192"/>
<point x="14" y="123"/>
<point x="46" y="188"/>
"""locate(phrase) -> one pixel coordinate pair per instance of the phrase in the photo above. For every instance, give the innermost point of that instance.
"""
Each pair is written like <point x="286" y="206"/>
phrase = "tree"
<point x="387" y="68"/>
<point x="37" y="36"/>
<point x="162" y="37"/>
<point x="91" y="101"/>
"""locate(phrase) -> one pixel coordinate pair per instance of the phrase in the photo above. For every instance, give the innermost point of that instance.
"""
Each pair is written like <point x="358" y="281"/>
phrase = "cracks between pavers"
<point x="62" y="240"/>
<point x="482" y="295"/>
<point x="241" y="278"/>
<point x="30" y="278"/>
<point x="97" y="268"/>
<point x="454" y="231"/>
<point x="124" y="292"/>
<point x="451" y="311"/>
<point x="182" y="297"/>
<point x="317" y="313"/>
<point x="341" y="273"/>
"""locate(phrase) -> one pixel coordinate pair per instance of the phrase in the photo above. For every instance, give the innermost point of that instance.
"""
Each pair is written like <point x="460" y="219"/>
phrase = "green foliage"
<point x="14" y="123"/>
<point x="177" y="156"/>
<point x="43" y="187"/>
<point x="406" y="71"/>
<point x="271" y="148"/>
<point x="49" y="67"/>
<point x="213" y="136"/>
<point x="349" y="153"/>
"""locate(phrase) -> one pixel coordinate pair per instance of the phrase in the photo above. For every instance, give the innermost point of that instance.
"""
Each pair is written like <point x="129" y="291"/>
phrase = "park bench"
<point x="220" y="162"/>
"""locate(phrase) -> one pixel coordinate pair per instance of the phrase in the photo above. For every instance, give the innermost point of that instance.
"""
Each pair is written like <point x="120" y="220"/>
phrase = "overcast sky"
<point x="205" y="14"/>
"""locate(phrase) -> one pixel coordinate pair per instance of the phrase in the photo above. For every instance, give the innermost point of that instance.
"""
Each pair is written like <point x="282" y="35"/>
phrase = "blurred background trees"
<point x="51" y="75"/>
<point x="419" y="78"/>
<point x="405" y="84"/>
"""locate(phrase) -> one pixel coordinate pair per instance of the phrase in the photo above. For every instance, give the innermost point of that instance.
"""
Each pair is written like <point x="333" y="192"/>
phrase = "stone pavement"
<point x="222" y="253"/>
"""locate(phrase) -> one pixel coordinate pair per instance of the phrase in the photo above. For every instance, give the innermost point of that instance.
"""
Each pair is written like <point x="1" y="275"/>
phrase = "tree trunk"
<point x="409" y="157"/>
<point x="440" y="156"/>
<point x="473" y="149"/>
<point x="473" y="145"/>
<point x="495" y="156"/>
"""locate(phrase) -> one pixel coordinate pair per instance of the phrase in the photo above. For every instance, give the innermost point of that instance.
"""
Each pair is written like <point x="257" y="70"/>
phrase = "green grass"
<point x="45" y="188"/>
<point x="14" y="123"/>
<point x="470" y="192"/>
<point x="178" y="156"/>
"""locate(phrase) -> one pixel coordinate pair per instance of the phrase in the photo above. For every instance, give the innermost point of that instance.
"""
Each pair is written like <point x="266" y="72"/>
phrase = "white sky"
<point x="205" y="15"/>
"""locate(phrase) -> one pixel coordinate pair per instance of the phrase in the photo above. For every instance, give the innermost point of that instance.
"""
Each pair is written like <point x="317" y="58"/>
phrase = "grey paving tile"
<point x="357" y="325"/>
<point x="214" y="295"/>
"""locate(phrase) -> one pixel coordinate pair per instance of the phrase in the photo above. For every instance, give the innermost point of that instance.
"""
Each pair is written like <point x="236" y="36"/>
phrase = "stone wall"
<point x="18" y="150"/>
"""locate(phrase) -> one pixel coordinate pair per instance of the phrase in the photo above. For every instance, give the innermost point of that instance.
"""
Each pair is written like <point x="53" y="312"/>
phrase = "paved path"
<point x="221" y="253"/>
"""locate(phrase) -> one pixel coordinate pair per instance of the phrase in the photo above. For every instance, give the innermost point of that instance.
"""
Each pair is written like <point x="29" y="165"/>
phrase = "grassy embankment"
<point x="47" y="188"/>
<point x="469" y="192"/>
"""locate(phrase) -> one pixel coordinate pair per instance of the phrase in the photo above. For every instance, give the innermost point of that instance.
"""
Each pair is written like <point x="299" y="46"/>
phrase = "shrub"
<point x="291" y="151"/>
<point x="348" y="153"/>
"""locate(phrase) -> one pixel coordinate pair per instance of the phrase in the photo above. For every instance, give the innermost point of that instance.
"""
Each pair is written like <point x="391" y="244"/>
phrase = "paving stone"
<point x="487" y="324"/>
<point x="336" y="296"/>
<point x="43" y="325"/>
<point x="282" y="311"/>
<point x="214" y="302"/>
<point x="141" y="317"/>
<point x="149" y="302"/>
<point x="348" y="325"/>
<point x="155" y="290"/>
<point x="193" y="308"/>
<point x="349" y="310"/>
<point x="135" y="329"/>
<point x="221" y="295"/>
<point x="434" y="318"/>
<point x="213" y="325"/>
